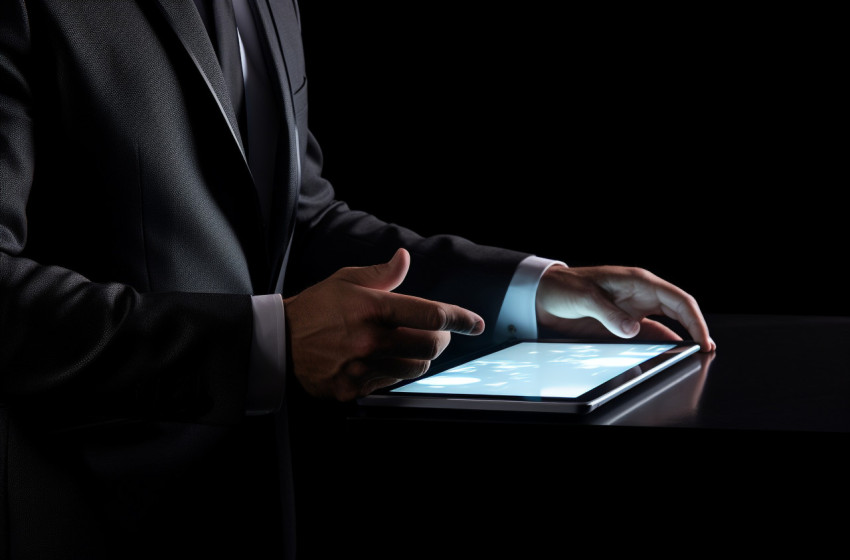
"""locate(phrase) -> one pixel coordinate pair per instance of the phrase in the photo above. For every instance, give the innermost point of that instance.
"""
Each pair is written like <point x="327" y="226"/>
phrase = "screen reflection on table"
<point x="671" y="399"/>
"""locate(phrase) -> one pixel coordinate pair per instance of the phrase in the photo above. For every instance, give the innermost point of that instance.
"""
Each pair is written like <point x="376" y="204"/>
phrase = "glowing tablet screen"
<point x="538" y="369"/>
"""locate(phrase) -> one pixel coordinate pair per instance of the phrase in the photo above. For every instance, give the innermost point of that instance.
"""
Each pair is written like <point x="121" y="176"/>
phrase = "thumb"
<point x="385" y="276"/>
<point x="613" y="318"/>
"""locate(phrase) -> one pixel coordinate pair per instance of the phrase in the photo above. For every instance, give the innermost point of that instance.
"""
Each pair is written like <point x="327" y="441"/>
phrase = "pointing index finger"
<point x="401" y="310"/>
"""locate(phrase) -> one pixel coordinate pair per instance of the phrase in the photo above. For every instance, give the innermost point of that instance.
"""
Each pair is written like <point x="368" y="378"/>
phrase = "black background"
<point x="700" y="143"/>
<point x="703" y="143"/>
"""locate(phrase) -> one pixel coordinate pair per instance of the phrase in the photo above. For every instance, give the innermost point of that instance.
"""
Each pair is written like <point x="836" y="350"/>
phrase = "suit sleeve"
<point x="445" y="268"/>
<point x="73" y="348"/>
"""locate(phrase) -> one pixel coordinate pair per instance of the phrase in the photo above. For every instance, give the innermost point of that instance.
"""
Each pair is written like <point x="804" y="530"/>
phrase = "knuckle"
<point x="412" y="369"/>
<point x="688" y="304"/>
<point x="641" y="273"/>
<point x="438" y="316"/>
<point x="433" y="348"/>
<point x="439" y="343"/>
<point x="375" y="384"/>
<point x="355" y="371"/>
<point x="423" y="367"/>
<point x="364" y="345"/>
<point x="613" y="316"/>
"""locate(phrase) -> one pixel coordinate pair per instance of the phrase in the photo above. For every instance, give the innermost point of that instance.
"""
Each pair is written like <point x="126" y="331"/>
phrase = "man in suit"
<point x="174" y="268"/>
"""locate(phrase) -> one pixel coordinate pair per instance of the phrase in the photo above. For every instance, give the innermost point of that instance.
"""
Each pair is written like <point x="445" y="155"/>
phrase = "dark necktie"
<point x="221" y="25"/>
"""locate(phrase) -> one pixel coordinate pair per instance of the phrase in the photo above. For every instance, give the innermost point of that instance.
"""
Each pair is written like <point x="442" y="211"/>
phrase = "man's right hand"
<point x="350" y="335"/>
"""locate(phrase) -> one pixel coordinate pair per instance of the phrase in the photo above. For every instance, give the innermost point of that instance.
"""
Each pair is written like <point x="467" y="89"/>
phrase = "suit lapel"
<point x="273" y="19"/>
<point x="184" y="19"/>
<point x="277" y="22"/>
<point x="240" y="202"/>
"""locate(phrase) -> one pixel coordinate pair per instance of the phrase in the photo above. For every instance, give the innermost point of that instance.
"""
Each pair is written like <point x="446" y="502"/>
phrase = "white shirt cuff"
<point x="518" y="315"/>
<point x="267" y="373"/>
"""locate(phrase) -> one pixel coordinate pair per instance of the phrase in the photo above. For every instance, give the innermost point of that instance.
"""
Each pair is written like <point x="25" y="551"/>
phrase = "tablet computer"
<point x="570" y="376"/>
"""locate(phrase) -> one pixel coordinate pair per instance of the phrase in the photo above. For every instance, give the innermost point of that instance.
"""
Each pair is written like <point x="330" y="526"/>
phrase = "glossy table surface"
<point x="750" y="441"/>
<point x="768" y="373"/>
<point x="777" y="373"/>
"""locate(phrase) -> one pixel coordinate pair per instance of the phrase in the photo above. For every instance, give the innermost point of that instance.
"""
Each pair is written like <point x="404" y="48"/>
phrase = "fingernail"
<point x="629" y="327"/>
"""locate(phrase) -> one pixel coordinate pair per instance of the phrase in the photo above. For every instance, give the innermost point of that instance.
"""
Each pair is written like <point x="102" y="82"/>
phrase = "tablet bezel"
<point x="582" y="404"/>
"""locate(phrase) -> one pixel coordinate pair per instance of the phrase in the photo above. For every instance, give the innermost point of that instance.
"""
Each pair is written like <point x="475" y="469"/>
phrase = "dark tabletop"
<point x="749" y="441"/>
<point x="769" y="373"/>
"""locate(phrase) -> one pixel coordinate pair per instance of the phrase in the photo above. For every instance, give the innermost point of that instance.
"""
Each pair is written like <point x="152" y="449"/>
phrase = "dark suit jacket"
<point x="130" y="241"/>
